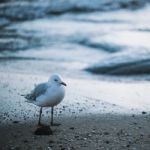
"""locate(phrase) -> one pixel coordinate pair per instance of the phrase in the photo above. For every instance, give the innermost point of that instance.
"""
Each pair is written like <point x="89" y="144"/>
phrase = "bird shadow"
<point x="43" y="130"/>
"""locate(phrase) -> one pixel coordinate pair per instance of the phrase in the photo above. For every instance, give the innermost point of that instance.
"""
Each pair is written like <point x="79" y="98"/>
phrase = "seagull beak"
<point x="63" y="83"/>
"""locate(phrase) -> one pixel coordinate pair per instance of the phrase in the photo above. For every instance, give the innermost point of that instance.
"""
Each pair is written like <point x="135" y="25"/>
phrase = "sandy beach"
<point x="101" y="48"/>
<point x="101" y="119"/>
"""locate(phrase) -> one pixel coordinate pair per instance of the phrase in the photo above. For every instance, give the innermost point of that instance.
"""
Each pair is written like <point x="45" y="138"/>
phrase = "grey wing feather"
<point x="37" y="91"/>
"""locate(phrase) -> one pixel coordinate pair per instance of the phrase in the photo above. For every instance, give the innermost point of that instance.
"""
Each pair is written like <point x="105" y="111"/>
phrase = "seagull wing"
<point x="39" y="90"/>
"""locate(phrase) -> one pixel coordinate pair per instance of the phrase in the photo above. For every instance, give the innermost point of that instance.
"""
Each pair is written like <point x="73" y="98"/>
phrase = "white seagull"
<point x="47" y="94"/>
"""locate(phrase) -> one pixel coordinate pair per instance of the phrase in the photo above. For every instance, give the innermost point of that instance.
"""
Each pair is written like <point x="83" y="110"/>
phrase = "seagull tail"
<point x="28" y="97"/>
<point x="29" y="101"/>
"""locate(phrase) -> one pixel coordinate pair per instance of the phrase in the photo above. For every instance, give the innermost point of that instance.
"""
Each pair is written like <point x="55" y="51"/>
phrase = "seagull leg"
<point x="39" y="123"/>
<point x="52" y="114"/>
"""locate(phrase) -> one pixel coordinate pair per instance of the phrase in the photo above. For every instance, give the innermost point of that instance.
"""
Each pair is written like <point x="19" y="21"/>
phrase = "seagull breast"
<point x="52" y="97"/>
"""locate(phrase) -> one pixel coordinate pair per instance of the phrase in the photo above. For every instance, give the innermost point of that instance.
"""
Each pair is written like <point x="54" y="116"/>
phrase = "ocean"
<point x="102" y="39"/>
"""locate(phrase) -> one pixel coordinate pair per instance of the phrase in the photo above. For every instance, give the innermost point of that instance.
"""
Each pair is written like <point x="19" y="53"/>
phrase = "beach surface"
<point x="101" y="49"/>
<point x="94" y="115"/>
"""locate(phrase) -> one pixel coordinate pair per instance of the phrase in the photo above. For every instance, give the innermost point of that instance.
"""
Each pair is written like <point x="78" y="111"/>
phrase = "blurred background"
<point x="98" y="39"/>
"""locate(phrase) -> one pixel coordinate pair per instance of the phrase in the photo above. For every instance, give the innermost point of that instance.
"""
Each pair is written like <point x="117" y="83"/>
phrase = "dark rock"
<point x="25" y="141"/>
<point x="106" y="133"/>
<point x="51" y="141"/>
<point x="141" y="135"/>
<point x="15" y="121"/>
<point x="80" y="110"/>
<point x="128" y="145"/>
<point x="107" y="142"/>
<point x="144" y="112"/>
<point x="76" y="136"/>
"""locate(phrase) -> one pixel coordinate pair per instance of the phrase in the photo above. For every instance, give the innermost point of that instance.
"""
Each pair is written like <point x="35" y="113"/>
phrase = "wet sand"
<point x="94" y="115"/>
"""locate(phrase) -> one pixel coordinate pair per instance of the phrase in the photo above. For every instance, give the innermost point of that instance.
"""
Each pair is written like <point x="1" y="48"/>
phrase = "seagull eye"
<point x="55" y="80"/>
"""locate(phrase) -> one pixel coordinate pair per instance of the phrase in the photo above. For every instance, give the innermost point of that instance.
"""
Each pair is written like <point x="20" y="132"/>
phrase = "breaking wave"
<point x="122" y="66"/>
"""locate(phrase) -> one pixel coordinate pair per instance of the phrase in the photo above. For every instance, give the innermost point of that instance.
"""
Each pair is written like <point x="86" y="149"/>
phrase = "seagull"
<point x="48" y="94"/>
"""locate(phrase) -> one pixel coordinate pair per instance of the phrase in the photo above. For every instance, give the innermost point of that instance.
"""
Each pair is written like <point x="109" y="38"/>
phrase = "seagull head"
<point x="56" y="79"/>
